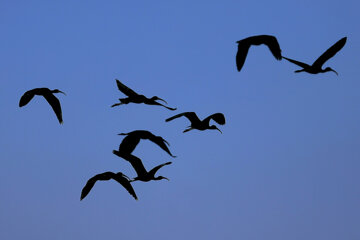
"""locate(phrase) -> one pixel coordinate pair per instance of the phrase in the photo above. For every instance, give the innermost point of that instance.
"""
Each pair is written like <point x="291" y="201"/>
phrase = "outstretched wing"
<point x="129" y="143"/>
<point x="330" y="52"/>
<point x="301" y="64"/>
<point x="155" y="169"/>
<point x="161" y="143"/>
<point x="217" y="117"/>
<point x="243" y="48"/>
<point x="136" y="163"/>
<point x="119" y="177"/>
<point x="189" y="115"/>
<point x="273" y="45"/>
<point x="89" y="185"/>
<point x="25" y="99"/>
<point x="125" y="90"/>
<point x="245" y="44"/>
<point x="124" y="181"/>
<point x="55" y="104"/>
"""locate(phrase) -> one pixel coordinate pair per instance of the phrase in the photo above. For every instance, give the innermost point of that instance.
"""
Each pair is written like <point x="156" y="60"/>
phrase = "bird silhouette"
<point x="244" y="45"/>
<point x="316" y="67"/>
<point x="119" y="177"/>
<point x="48" y="95"/>
<point x="132" y="139"/>
<point x="142" y="174"/>
<point x="137" y="98"/>
<point x="196" y="123"/>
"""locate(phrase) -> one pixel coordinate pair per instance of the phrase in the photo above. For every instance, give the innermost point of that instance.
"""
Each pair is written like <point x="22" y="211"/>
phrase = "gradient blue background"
<point x="286" y="166"/>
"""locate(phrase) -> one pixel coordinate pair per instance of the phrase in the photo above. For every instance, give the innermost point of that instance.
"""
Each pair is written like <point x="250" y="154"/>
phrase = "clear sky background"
<point x="286" y="166"/>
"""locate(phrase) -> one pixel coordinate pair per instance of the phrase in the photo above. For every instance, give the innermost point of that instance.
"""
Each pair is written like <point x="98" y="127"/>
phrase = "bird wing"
<point x="91" y="182"/>
<point x="155" y="169"/>
<point x="161" y="143"/>
<point x="124" y="181"/>
<point x="125" y="90"/>
<point x="217" y="117"/>
<point x="25" y="99"/>
<point x="243" y="48"/>
<point x="55" y="104"/>
<point x="189" y="115"/>
<point x="330" y="52"/>
<point x="301" y="64"/>
<point x="273" y="45"/>
<point x="129" y="143"/>
<point x="136" y="163"/>
<point x="244" y="45"/>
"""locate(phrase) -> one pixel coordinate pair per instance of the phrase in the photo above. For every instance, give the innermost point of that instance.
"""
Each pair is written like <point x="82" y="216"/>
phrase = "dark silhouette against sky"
<point x="133" y="138"/>
<point x="245" y="44"/>
<point x="286" y="166"/>
<point x="48" y="95"/>
<point x="198" y="124"/>
<point x="119" y="177"/>
<point x="316" y="67"/>
<point x="133" y="97"/>
<point x="142" y="174"/>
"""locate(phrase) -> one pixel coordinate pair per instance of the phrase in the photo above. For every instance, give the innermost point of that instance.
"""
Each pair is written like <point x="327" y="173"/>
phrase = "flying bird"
<point x="316" y="67"/>
<point x="142" y="174"/>
<point x="132" y="139"/>
<point x="244" y="45"/>
<point x="119" y="177"/>
<point x="137" y="98"/>
<point x="48" y="95"/>
<point x="196" y="123"/>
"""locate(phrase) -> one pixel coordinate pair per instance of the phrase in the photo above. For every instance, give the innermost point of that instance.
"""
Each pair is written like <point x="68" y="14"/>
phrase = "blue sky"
<point x="285" y="167"/>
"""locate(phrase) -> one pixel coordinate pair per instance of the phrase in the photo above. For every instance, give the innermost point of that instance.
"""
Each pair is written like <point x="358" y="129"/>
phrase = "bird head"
<point x="160" y="178"/>
<point x="214" y="127"/>
<point x="328" y="69"/>
<point x="157" y="98"/>
<point x="57" y="91"/>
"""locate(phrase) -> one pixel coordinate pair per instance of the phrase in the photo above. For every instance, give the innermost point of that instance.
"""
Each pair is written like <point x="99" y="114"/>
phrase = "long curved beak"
<point x="62" y="92"/>
<point x="334" y="71"/>
<point x="123" y="134"/>
<point x="166" y="178"/>
<point x="219" y="130"/>
<point x="161" y="100"/>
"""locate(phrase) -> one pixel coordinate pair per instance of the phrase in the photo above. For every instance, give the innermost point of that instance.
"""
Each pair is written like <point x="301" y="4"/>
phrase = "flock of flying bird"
<point x="129" y="143"/>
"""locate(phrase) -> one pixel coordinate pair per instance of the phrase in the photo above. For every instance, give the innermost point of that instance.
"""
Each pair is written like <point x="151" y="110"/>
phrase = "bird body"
<point x="316" y="67"/>
<point x="133" y="97"/>
<point x="119" y="177"/>
<point x="196" y="123"/>
<point x="245" y="44"/>
<point x="132" y="139"/>
<point x="48" y="95"/>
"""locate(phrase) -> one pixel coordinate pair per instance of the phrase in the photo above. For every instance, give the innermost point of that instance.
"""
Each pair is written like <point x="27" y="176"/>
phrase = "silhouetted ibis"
<point x="245" y="44"/>
<point x="316" y="67"/>
<point x="119" y="177"/>
<point x="48" y="95"/>
<point x="132" y="139"/>
<point x="137" y="98"/>
<point x="196" y="123"/>
<point x="142" y="174"/>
